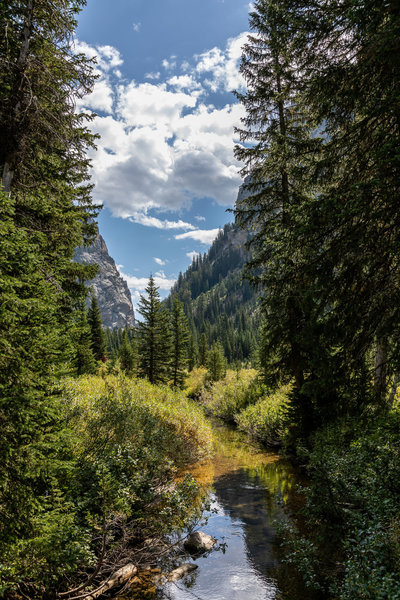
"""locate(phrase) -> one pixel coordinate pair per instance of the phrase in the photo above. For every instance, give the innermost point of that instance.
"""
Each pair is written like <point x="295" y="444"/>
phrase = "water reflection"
<point x="251" y="490"/>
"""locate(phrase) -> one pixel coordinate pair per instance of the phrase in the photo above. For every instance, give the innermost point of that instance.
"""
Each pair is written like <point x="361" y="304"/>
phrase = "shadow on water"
<point x="250" y="490"/>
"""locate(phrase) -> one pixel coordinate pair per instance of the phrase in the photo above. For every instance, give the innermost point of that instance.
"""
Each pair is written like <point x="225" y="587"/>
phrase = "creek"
<point x="250" y="490"/>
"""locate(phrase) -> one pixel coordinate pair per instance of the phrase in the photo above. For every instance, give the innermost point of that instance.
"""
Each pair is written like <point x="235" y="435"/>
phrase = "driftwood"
<point x="117" y="579"/>
<point x="181" y="571"/>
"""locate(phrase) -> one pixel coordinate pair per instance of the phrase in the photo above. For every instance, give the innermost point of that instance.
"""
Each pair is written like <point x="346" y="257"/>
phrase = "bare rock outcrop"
<point x="110" y="289"/>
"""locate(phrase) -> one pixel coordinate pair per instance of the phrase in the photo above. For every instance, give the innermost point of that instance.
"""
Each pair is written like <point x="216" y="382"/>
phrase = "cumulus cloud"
<point x="222" y="65"/>
<point x="200" y="218"/>
<point x="139" y="284"/>
<point x="148" y="221"/>
<point x="205" y="236"/>
<point x="136" y="26"/>
<point x="163" y="144"/>
<point x="160" y="261"/>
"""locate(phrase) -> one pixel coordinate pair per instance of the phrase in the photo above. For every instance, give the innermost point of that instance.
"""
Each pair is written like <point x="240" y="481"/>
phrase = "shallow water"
<point x="250" y="489"/>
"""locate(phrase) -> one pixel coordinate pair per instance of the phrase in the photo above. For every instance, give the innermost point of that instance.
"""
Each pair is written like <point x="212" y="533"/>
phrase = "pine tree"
<point x="278" y="147"/>
<point x="179" y="327"/>
<point x="45" y="213"/>
<point x="85" y="361"/>
<point x="203" y="350"/>
<point x="98" y="340"/>
<point x="216" y="362"/>
<point x="127" y="354"/>
<point x="192" y="353"/>
<point x="154" y="336"/>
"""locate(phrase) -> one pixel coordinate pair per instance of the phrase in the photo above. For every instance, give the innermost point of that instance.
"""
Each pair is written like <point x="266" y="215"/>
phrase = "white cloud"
<point x="162" y="145"/>
<point x="205" y="236"/>
<point x="154" y="76"/>
<point x="148" y="221"/>
<point x="160" y="261"/>
<point x="169" y="64"/>
<point x="223" y="65"/>
<point x="101" y="99"/>
<point x="200" y="218"/>
<point x="136" y="26"/>
<point x="139" y="284"/>
<point x="192" y="255"/>
<point x="184" y="82"/>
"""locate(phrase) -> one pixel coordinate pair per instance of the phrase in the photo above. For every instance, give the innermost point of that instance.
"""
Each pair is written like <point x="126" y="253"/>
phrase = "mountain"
<point x="110" y="289"/>
<point x="216" y="298"/>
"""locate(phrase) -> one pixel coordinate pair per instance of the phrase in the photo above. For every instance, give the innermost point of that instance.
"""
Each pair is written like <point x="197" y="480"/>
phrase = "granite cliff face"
<point x="109" y="288"/>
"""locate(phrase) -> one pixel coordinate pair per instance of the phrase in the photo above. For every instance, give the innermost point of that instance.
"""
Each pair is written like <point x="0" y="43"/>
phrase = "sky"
<point x="164" y="168"/>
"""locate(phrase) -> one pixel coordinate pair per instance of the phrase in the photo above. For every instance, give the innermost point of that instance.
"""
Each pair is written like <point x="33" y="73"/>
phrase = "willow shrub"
<point x="266" y="420"/>
<point x="227" y="397"/>
<point x="116" y="465"/>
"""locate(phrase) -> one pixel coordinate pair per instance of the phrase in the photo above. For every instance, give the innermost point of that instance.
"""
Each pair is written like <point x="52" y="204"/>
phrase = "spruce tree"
<point x="154" y="336"/>
<point x="216" y="362"/>
<point x="278" y="147"/>
<point x="45" y="213"/>
<point x="179" y="328"/>
<point x="203" y="350"/>
<point x="192" y="353"/>
<point x="127" y="354"/>
<point x="98" y="338"/>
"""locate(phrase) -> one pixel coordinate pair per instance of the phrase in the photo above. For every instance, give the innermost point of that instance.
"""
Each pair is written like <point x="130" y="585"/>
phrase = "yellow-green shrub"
<point x="121" y="410"/>
<point x="195" y="381"/>
<point x="265" y="420"/>
<point x="228" y="396"/>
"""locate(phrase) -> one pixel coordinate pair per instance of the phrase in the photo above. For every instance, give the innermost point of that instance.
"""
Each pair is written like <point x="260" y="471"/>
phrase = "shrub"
<point x="225" y="398"/>
<point x="267" y="418"/>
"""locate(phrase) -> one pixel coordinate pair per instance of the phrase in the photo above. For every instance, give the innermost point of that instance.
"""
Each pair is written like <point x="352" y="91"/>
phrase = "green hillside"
<point x="216" y="298"/>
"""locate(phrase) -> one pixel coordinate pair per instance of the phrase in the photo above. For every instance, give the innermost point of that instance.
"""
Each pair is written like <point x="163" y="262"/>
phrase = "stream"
<point x="250" y="489"/>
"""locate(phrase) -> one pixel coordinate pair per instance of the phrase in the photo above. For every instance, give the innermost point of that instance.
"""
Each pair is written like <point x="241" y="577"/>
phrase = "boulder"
<point x="199" y="542"/>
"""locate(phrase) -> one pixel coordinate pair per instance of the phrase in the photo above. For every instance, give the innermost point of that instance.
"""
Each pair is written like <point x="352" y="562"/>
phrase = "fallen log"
<point x="117" y="579"/>
<point x="181" y="571"/>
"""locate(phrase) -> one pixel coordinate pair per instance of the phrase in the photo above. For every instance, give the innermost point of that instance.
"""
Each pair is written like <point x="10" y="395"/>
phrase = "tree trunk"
<point x="15" y="129"/>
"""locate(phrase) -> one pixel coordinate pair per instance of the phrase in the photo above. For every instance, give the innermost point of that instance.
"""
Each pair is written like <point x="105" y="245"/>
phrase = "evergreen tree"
<point x="85" y="361"/>
<point x="154" y="336"/>
<point x="216" y="362"/>
<point x="203" y="350"/>
<point x="45" y="214"/>
<point x="127" y="354"/>
<point x="179" y="328"/>
<point x="192" y="353"/>
<point x="278" y="149"/>
<point x="98" y="339"/>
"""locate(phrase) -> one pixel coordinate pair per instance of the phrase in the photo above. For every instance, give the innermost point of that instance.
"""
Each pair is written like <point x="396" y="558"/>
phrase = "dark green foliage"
<point x="192" y="353"/>
<point x="179" y="329"/>
<point x="352" y="511"/>
<point x="154" y="336"/>
<point x="216" y="362"/>
<point x="45" y="213"/>
<point x="203" y="350"/>
<point x="84" y="361"/>
<point x="127" y="354"/>
<point x="98" y="341"/>
<point x="216" y="299"/>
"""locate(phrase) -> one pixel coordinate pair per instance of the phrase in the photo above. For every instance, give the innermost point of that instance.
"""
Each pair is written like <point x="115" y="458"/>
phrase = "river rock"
<point x="181" y="571"/>
<point x="199" y="542"/>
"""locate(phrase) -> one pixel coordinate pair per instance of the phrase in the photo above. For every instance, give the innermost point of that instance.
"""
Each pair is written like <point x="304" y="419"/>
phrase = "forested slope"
<point x="217" y="300"/>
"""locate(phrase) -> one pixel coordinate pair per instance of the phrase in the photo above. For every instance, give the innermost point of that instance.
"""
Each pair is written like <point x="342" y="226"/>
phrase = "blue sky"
<point x="164" y="169"/>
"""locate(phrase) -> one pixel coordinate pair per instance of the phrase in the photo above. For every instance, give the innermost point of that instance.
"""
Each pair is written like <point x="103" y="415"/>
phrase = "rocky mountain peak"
<point x="110" y="289"/>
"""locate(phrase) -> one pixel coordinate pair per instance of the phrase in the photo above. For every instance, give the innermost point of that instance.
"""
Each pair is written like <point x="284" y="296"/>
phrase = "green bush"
<point x="266" y="419"/>
<point x="352" y="509"/>
<point x="115" y="468"/>
<point x="225" y="398"/>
